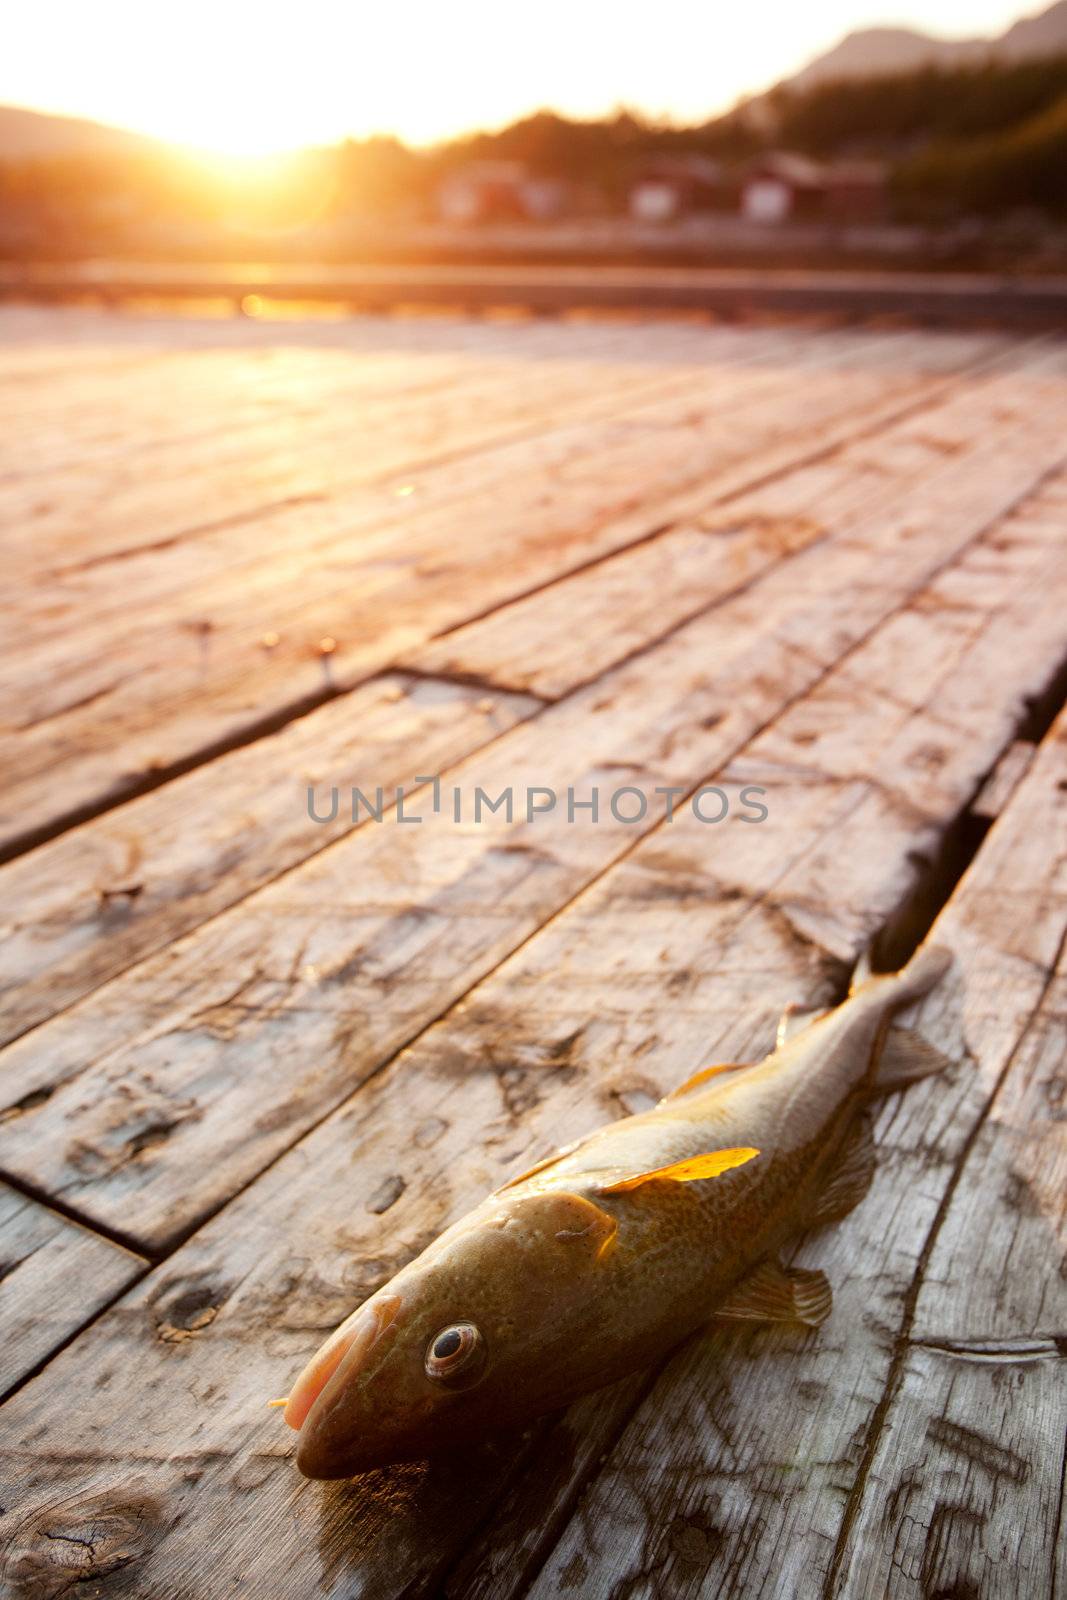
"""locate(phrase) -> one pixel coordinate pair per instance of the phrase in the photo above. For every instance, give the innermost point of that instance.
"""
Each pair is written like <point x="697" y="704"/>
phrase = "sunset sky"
<point x="253" y="78"/>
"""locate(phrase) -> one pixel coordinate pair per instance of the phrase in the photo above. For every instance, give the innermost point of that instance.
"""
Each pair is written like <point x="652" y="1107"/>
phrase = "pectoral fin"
<point x="709" y="1165"/>
<point x="576" y="1221"/>
<point x="700" y="1077"/>
<point x="849" y="1181"/>
<point x="905" y="1058"/>
<point x="773" y="1293"/>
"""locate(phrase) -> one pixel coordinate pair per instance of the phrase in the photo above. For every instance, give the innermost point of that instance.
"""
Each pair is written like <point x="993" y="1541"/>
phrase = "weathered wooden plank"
<point x="217" y="564"/>
<point x="347" y="438"/>
<point x="191" y="1476"/>
<point x="995" y="1271"/>
<point x="40" y="345"/>
<point x="223" y="1012"/>
<point x="82" y="908"/>
<point x="964" y="1498"/>
<point x="769" y="1438"/>
<point x="73" y="428"/>
<point x="126" y="717"/>
<point x="84" y="568"/>
<point x="60" y="356"/>
<point x="54" y="1276"/>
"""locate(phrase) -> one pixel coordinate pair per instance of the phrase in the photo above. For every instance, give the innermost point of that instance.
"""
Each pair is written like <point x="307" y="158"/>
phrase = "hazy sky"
<point x="245" y="76"/>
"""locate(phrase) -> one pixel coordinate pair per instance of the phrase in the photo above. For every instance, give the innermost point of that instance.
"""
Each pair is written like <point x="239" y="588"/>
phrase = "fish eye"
<point x="457" y="1352"/>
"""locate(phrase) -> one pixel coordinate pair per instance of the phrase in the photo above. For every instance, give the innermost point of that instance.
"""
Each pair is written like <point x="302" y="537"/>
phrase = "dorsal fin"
<point x="694" y="1168"/>
<point x="702" y="1076"/>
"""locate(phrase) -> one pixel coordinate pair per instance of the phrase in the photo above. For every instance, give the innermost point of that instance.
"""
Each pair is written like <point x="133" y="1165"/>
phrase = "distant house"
<point x="671" y="186"/>
<point x="781" y="187"/>
<point x="784" y="187"/>
<point x="499" y="191"/>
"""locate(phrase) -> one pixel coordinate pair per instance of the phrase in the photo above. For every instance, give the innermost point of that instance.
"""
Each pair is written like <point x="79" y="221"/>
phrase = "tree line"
<point x="986" y="139"/>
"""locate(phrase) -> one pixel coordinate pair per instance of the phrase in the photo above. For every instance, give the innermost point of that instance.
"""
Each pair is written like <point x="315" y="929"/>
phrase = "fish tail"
<point x="903" y="1056"/>
<point x="925" y="969"/>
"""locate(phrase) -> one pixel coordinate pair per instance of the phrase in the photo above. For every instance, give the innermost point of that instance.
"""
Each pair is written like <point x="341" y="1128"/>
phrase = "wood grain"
<point x="350" y="421"/>
<point x="439" y="390"/>
<point x="964" y="1476"/>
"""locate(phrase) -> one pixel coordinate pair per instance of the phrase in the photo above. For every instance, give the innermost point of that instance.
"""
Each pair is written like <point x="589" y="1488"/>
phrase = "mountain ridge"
<point x="26" y="134"/>
<point x="871" y="52"/>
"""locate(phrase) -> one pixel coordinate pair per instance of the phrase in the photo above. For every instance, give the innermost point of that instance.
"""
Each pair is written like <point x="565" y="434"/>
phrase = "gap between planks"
<point x="46" y="1255"/>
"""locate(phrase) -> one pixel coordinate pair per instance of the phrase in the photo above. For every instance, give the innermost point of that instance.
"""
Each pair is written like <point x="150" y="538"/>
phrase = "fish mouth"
<point x="357" y="1336"/>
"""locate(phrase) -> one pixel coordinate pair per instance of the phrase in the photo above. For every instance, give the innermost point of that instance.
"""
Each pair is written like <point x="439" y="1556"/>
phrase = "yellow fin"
<point x="706" y="1166"/>
<point x="284" y="1402"/>
<point x="702" y="1077"/>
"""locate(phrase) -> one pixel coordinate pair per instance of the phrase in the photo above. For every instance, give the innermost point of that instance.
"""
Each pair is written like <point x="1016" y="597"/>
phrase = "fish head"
<point x="494" y="1324"/>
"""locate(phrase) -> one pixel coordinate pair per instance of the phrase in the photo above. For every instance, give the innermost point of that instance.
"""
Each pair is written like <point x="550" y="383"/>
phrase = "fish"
<point x="599" y="1260"/>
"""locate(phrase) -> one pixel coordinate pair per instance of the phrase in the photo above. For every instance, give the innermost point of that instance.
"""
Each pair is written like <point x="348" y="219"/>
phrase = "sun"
<point x="247" y="127"/>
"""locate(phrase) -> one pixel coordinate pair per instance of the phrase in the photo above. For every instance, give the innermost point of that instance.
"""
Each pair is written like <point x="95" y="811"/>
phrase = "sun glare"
<point x="239" y="147"/>
<point x="244" y="133"/>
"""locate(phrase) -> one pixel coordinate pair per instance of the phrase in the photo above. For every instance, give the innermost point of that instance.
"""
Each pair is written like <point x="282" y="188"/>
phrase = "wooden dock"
<point x="254" y="1061"/>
